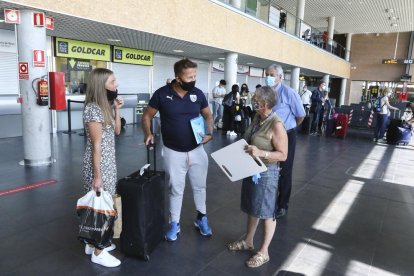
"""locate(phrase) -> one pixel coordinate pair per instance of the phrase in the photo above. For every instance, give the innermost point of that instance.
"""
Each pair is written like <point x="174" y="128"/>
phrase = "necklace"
<point x="261" y="121"/>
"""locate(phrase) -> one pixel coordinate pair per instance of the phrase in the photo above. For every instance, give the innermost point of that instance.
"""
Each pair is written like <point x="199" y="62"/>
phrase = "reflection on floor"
<point x="351" y="213"/>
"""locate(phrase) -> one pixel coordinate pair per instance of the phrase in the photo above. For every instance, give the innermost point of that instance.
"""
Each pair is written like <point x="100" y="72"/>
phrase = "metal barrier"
<point x="69" y="131"/>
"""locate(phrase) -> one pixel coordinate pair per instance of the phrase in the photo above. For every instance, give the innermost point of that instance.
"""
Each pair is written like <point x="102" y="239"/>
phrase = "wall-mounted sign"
<point x="256" y="72"/>
<point x="82" y="50"/>
<point x="38" y="19"/>
<point x="398" y="61"/>
<point x="242" y="69"/>
<point x="49" y="23"/>
<point x="79" y="65"/>
<point x="12" y="16"/>
<point x="39" y="59"/>
<point x="217" y="67"/>
<point x="132" y="56"/>
<point x="23" y="70"/>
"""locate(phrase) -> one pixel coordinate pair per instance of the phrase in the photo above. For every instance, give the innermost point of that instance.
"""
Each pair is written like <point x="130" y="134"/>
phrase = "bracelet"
<point x="209" y="134"/>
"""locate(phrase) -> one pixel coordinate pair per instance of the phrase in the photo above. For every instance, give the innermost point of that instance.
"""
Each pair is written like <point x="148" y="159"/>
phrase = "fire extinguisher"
<point x="42" y="92"/>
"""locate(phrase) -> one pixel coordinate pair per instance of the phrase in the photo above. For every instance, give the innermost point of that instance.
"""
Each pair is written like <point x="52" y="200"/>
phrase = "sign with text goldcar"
<point x="132" y="56"/>
<point x="82" y="50"/>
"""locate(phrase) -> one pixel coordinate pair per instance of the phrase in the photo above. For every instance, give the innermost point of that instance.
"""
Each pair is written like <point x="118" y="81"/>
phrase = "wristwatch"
<point x="266" y="155"/>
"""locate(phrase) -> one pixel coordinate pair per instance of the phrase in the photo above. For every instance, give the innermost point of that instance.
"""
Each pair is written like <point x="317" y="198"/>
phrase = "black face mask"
<point x="111" y="95"/>
<point x="187" y="86"/>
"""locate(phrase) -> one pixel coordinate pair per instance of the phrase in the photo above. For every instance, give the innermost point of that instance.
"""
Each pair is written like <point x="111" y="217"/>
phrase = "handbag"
<point x="118" y="222"/>
<point x="96" y="218"/>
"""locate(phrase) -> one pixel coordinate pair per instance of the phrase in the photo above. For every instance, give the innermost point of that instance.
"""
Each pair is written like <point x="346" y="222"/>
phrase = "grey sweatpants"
<point x="179" y="165"/>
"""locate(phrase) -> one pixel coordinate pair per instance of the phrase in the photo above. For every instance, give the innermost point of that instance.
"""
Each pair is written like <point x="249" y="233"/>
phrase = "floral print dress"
<point x="93" y="113"/>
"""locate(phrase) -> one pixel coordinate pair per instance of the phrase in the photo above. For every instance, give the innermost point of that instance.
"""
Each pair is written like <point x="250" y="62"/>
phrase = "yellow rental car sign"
<point x="132" y="56"/>
<point x="82" y="50"/>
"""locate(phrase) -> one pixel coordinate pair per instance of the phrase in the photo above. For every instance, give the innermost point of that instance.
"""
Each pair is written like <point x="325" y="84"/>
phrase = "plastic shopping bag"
<point x="97" y="216"/>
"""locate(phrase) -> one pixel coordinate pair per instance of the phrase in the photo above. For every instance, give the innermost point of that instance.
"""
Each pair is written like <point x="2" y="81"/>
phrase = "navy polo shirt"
<point x="176" y="113"/>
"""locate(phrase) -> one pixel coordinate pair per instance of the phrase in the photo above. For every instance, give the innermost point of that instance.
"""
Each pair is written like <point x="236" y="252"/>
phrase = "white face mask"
<point x="270" y="81"/>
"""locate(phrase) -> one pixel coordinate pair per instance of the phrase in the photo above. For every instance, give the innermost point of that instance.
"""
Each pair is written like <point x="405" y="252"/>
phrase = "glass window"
<point x="77" y="72"/>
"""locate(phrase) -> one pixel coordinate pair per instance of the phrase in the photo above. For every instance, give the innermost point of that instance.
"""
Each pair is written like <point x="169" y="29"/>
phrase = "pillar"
<point x="342" y="93"/>
<point x="300" y="11"/>
<point x="331" y="26"/>
<point x="294" y="79"/>
<point x="348" y="46"/>
<point x="230" y="70"/>
<point x="326" y="81"/>
<point x="36" y="121"/>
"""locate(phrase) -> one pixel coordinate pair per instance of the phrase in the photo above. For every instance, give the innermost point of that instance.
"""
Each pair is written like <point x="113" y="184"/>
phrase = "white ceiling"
<point x="356" y="16"/>
<point x="359" y="16"/>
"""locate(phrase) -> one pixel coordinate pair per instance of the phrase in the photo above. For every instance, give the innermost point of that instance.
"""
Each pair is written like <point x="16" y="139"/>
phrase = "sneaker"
<point x="89" y="250"/>
<point x="374" y="140"/>
<point x="105" y="259"/>
<point x="173" y="232"/>
<point x="202" y="225"/>
<point x="233" y="133"/>
<point x="381" y="141"/>
<point x="228" y="132"/>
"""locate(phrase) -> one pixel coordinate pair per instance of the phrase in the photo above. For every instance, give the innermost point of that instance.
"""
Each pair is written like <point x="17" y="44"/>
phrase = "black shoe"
<point x="281" y="213"/>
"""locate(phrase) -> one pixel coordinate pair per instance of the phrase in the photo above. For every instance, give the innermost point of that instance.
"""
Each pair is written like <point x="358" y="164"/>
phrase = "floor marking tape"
<point x="27" y="187"/>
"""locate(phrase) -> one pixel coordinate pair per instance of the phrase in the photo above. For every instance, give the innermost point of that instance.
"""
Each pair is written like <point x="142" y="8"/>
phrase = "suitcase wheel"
<point x="146" y="258"/>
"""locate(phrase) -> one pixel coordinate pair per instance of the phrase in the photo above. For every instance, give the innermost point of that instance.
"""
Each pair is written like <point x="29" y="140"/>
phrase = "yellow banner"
<point x="82" y="50"/>
<point x="132" y="56"/>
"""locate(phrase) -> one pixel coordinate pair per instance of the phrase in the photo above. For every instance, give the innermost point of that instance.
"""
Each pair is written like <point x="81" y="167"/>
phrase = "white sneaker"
<point x="89" y="250"/>
<point x="233" y="133"/>
<point x="381" y="141"/>
<point x="228" y="132"/>
<point x="105" y="259"/>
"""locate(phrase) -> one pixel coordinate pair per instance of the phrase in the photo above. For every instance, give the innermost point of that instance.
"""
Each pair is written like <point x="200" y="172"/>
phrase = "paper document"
<point x="236" y="163"/>
<point x="197" y="124"/>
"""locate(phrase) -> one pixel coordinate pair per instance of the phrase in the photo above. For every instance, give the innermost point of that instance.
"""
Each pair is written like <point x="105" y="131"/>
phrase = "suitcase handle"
<point x="151" y="147"/>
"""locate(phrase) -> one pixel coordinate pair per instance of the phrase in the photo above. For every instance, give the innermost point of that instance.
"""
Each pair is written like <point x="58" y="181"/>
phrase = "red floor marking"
<point x="27" y="187"/>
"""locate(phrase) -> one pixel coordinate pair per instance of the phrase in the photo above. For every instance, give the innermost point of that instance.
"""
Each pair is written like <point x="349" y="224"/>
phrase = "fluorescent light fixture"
<point x="114" y="40"/>
<point x="178" y="51"/>
<point x="222" y="58"/>
<point x="250" y="63"/>
<point x="394" y="24"/>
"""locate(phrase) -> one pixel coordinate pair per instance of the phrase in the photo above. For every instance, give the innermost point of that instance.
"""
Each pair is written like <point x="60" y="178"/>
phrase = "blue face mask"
<point x="270" y="81"/>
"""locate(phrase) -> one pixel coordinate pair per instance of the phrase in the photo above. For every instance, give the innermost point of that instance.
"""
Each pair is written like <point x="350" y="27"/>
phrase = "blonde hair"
<point x="96" y="93"/>
<point x="385" y="91"/>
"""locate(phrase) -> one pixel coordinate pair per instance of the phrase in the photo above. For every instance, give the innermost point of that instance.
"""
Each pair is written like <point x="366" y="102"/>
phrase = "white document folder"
<point x="236" y="163"/>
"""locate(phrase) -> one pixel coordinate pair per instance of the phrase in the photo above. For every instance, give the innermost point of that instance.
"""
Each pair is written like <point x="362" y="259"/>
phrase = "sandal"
<point x="239" y="246"/>
<point x="257" y="260"/>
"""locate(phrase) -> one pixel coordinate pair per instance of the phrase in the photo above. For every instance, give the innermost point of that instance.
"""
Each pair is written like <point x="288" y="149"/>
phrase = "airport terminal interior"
<point x="351" y="209"/>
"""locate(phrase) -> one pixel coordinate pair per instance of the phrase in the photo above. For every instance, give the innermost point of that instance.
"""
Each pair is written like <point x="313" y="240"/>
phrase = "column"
<point x="300" y="11"/>
<point x="326" y="81"/>
<point x="36" y="120"/>
<point x="342" y="93"/>
<point x="262" y="11"/>
<point x="294" y="79"/>
<point x="230" y="70"/>
<point x="331" y="25"/>
<point x="348" y="46"/>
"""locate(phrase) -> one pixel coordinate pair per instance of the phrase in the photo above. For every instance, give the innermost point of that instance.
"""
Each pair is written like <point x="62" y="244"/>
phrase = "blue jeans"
<point x="382" y="120"/>
<point x="217" y="111"/>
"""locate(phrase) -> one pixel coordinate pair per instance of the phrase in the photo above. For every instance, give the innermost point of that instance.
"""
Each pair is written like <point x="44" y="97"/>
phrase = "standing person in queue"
<point x="178" y="103"/>
<point x="305" y="96"/>
<point x="290" y="109"/>
<point x="267" y="140"/>
<point x="318" y="102"/>
<point x="101" y="125"/>
<point x="382" y="116"/>
<point x="218" y="94"/>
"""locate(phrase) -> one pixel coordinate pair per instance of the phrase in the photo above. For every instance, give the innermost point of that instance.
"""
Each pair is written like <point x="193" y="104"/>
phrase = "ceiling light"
<point x="392" y="18"/>
<point x="250" y="63"/>
<point x="389" y="10"/>
<point x="178" y="51"/>
<point x="1" y="20"/>
<point x="394" y="24"/>
<point x="114" y="40"/>
<point x="222" y="58"/>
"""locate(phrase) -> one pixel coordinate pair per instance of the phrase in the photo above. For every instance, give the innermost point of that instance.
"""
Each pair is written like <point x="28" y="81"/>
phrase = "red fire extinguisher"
<point x="42" y="92"/>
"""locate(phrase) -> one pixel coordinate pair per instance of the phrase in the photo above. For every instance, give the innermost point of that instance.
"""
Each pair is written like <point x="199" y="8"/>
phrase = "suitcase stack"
<point x="142" y="211"/>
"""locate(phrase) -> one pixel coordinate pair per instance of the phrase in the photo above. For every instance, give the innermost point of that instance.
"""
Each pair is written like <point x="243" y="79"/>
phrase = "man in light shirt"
<point x="218" y="94"/>
<point x="305" y="96"/>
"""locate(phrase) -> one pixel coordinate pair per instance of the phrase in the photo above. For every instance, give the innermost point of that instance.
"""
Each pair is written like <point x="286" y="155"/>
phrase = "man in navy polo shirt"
<point x="178" y="103"/>
<point x="290" y="109"/>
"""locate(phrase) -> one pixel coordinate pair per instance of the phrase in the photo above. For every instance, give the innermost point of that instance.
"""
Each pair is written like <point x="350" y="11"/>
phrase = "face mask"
<point x="187" y="86"/>
<point x="270" y="81"/>
<point x="256" y="105"/>
<point x="111" y="95"/>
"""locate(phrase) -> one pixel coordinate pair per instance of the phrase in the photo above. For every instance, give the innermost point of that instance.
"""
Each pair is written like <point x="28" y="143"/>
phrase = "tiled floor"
<point x="351" y="213"/>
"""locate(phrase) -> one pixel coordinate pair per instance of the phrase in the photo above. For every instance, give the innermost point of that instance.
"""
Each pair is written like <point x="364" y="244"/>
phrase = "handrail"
<point x="69" y="101"/>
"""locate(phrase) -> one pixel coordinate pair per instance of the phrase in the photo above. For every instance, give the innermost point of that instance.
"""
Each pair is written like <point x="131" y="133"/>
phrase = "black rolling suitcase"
<point x="142" y="211"/>
<point x="393" y="133"/>
<point x="305" y="126"/>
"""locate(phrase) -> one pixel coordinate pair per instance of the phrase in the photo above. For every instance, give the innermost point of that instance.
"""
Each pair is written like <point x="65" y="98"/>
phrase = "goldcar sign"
<point x="132" y="56"/>
<point x="82" y="50"/>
